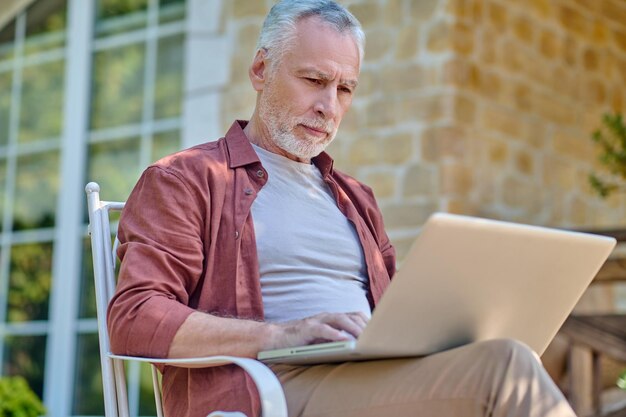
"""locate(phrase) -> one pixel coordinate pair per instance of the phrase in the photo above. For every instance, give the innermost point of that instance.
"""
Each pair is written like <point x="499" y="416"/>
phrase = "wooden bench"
<point x="595" y="335"/>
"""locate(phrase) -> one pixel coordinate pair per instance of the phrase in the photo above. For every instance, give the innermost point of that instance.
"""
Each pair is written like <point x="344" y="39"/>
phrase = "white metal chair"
<point x="113" y="378"/>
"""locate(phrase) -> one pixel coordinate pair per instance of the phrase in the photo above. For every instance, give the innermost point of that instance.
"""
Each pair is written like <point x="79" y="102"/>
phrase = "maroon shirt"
<point x="187" y="243"/>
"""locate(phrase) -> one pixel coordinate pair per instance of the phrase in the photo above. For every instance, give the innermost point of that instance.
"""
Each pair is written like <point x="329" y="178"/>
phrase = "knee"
<point x="509" y="350"/>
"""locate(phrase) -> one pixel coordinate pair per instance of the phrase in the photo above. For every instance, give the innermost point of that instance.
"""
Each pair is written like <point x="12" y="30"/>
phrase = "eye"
<point x="347" y="90"/>
<point x="315" y="81"/>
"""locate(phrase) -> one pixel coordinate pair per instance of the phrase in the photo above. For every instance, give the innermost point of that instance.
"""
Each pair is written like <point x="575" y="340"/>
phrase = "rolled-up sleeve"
<point x="161" y="251"/>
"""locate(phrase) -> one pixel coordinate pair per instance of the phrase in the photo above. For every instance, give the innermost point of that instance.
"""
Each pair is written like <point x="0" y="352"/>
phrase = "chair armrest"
<point x="273" y="402"/>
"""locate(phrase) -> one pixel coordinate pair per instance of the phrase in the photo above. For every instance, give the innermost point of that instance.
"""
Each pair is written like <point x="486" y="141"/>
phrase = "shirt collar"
<point x="241" y="152"/>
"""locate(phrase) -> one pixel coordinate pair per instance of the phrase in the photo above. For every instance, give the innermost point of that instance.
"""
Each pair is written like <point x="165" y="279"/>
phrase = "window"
<point x="49" y="149"/>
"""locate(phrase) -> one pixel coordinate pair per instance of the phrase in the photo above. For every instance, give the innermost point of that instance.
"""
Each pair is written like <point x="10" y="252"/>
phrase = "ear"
<point x="256" y="72"/>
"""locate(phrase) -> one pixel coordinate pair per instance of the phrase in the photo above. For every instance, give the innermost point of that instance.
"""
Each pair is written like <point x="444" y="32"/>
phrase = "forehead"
<point x="319" y="46"/>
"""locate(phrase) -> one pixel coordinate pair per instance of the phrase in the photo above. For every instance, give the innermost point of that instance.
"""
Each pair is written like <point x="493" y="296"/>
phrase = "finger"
<point x="343" y="321"/>
<point x="330" y="333"/>
<point x="359" y="318"/>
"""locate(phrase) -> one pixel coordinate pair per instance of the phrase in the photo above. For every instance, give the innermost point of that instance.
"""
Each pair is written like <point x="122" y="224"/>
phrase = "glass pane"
<point x="171" y="10"/>
<point x="88" y="397"/>
<point x="29" y="282"/>
<point x="5" y="106"/>
<point x="36" y="190"/>
<point x="7" y="38"/>
<point x="165" y="143"/>
<point x="115" y="166"/>
<point x="3" y="178"/>
<point x="117" y="89"/>
<point x="169" y="77"/>
<point x="87" y="306"/>
<point x="118" y="16"/>
<point x="42" y="102"/>
<point x="45" y="26"/>
<point x="25" y="356"/>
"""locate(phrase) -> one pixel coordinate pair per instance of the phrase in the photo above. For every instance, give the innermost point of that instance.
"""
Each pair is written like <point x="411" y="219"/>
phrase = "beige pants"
<point x="493" y="378"/>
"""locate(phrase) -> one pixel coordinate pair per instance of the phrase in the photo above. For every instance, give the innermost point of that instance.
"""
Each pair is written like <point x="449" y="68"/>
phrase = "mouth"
<point x="314" y="131"/>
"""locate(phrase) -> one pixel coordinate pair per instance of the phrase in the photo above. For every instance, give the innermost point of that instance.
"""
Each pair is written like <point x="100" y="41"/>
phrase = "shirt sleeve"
<point x="161" y="253"/>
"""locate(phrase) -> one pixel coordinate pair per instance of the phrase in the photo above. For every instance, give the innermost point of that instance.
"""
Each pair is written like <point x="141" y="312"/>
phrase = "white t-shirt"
<point x="310" y="256"/>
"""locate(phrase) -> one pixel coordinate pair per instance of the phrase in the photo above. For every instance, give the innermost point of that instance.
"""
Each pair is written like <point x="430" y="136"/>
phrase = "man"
<point x="256" y="242"/>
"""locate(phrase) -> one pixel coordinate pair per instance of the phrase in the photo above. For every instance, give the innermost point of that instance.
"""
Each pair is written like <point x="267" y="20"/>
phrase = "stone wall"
<point x="482" y="107"/>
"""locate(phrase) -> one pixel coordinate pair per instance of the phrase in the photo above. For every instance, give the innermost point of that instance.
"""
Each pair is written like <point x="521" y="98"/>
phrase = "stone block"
<point x="497" y="152"/>
<point x="394" y="12"/>
<point x="550" y="44"/>
<point x="375" y="150"/>
<point x="571" y="51"/>
<point x="613" y="11"/>
<point x="247" y="8"/>
<point x="407" y="215"/>
<point x="421" y="108"/>
<point x="523" y="29"/>
<point x="574" y="20"/>
<point x="443" y="141"/>
<point x="497" y="15"/>
<point x="590" y="59"/>
<point x="500" y="120"/>
<point x="553" y="109"/>
<point x="463" y="39"/>
<point x="542" y="8"/>
<point x="522" y="96"/>
<point x="379" y="44"/>
<point x="524" y="162"/>
<point x="558" y="173"/>
<point x="619" y="39"/>
<point x="536" y="133"/>
<point x="465" y="109"/>
<point x="440" y="37"/>
<point x="420" y="180"/>
<point x="382" y="183"/>
<point x="423" y="9"/>
<point x="380" y="112"/>
<point x="574" y="145"/>
<point x="408" y="39"/>
<point x="455" y="179"/>
<point x="520" y="194"/>
<point x="461" y="206"/>
<point x="577" y="211"/>
<point x="594" y="92"/>
<point x="368" y="13"/>
<point x="399" y="78"/>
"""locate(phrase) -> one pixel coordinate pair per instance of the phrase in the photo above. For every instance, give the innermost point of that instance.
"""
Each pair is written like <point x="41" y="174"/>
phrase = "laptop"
<point x="468" y="279"/>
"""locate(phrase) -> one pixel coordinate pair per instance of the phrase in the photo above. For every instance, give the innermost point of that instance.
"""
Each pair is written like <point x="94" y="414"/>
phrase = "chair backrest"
<point x="113" y="378"/>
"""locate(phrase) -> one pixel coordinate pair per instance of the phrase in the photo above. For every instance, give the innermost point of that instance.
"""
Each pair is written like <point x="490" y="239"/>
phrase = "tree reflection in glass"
<point x="117" y="86"/>
<point x="42" y="102"/>
<point x="37" y="185"/>
<point x="25" y="356"/>
<point x="29" y="282"/>
<point x="115" y="166"/>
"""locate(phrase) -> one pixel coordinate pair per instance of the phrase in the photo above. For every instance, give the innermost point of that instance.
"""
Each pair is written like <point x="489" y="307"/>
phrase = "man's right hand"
<point x="323" y="327"/>
<point x="205" y="335"/>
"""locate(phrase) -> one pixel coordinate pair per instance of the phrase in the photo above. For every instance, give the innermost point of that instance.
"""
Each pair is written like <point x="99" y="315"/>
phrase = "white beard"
<point x="281" y="128"/>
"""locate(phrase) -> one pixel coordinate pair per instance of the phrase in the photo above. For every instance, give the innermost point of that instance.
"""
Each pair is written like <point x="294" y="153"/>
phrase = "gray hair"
<point x="280" y="24"/>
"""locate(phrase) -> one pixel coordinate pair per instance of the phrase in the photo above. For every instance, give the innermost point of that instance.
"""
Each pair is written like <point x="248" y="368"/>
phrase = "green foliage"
<point x="17" y="399"/>
<point x="611" y="139"/>
<point x="621" y="381"/>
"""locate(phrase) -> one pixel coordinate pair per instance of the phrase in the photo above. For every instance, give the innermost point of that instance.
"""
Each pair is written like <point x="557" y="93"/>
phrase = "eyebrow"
<point x="325" y="77"/>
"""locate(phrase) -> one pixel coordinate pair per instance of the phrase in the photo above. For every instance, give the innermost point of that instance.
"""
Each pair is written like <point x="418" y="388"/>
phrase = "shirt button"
<point x="248" y="191"/>
<point x="236" y="235"/>
<point x="260" y="173"/>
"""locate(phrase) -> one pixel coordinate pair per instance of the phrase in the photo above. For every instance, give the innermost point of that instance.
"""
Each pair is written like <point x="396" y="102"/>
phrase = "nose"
<point x="326" y="104"/>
